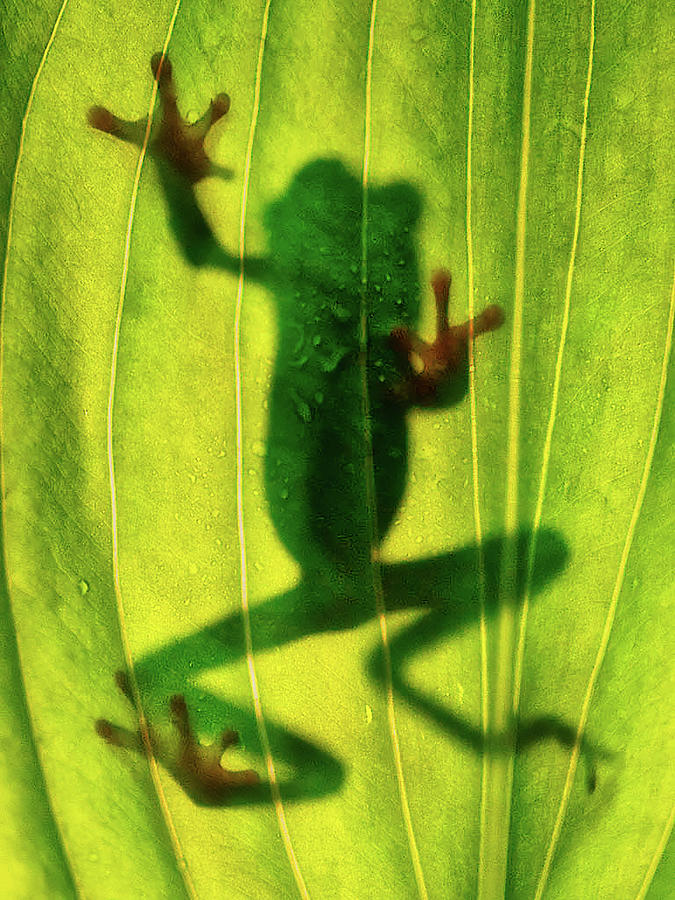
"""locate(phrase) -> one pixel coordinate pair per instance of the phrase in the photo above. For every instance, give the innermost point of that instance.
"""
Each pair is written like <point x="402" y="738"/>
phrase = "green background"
<point x="83" y="819"/>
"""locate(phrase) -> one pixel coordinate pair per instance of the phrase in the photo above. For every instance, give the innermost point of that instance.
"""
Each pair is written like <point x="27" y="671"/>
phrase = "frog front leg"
<point x="431" y="365"/>
<point x="173" y="138"/>
<point x="177" y="147"/>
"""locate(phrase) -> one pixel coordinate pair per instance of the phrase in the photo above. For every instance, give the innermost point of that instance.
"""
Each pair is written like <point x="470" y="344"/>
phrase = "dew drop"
<point x="330" y="363"/>
<point x="342" y="313"/>
<point x="83" y="586"/>
<point x="284" y="494"/>
<point x="302" y="408"/>
<point x="316" y="340"/>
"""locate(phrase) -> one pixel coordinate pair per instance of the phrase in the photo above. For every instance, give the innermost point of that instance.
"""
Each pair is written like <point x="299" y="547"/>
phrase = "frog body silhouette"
<point x="349" y="367"/>
<point x="321" y="399"/>
<point x="317" y="442"/>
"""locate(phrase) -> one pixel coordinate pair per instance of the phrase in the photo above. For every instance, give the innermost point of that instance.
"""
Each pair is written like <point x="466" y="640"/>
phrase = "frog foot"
<point x="431" y="365"/>
<point x="566" y="736"/>
<point x="174" y="139"/>
<point x="196" y="767"/>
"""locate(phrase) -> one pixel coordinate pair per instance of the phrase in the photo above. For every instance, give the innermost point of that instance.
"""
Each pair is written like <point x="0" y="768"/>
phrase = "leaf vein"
<point x="546" y="455"/>
<point x="246" y="616"/>
<point x="376" y="573"/>
<point x="611" y="612"/>
<point x="126" y="647"/>
<point x="5" y="275"/>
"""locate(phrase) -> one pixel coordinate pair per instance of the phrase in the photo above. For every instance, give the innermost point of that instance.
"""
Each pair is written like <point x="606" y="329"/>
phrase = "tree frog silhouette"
<point x="317" y="443"/>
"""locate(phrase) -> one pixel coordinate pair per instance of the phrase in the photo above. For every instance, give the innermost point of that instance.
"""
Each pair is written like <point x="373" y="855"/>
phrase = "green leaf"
<point x="213" y="482"/>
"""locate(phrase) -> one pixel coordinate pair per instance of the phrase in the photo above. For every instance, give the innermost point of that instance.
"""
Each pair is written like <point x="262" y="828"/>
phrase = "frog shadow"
<point x="315" y="459"/>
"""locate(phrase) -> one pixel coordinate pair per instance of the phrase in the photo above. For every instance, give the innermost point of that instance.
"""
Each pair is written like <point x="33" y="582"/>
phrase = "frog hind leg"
<point x="116" y="735"/>
<point x="197" y="767"/>
<point x="566" y="736"/>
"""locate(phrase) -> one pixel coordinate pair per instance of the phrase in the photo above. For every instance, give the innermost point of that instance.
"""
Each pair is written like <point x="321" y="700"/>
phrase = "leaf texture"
<point x="207" y="485"/>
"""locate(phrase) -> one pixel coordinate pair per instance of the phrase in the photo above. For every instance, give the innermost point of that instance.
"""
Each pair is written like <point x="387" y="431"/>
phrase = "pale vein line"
<point x="246" y="615"/>
<point x="478" y="528"/>
<point x="511" y="511"/>
<point x="546" y="455"/>
<point x="143" y="725"/>
<point x="658" y="853"/>
<point x="3" y="493"/>
<point x="501" y="787"/>
<point x="371" y="498"/>
<point x="611" y="612"/>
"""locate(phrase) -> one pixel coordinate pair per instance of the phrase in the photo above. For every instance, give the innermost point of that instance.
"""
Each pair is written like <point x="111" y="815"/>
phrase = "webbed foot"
<point x="173" y="139"/>
<point x="432" y="365"/>
<point x="196" y="767"/>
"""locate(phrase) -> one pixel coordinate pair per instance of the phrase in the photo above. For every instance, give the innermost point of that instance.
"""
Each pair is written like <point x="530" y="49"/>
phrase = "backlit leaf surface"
<point x="528" y="149"/>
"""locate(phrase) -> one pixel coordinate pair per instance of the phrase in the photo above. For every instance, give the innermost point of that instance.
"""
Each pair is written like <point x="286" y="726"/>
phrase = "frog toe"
<point x="117" y="736"/>
<point x="198" y="767"/>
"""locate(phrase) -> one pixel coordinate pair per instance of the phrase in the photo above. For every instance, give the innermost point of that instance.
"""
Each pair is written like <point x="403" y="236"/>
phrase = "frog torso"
<point x="317" y="443"/>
